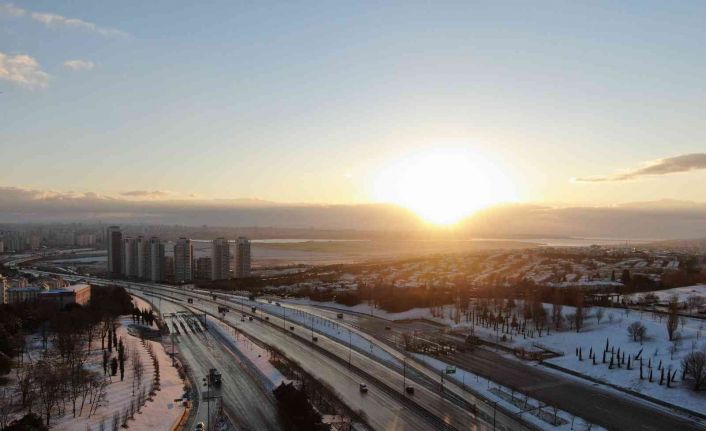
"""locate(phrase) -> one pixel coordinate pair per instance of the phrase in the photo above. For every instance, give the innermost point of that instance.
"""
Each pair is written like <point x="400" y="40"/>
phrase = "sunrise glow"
<point x="443" y="185"/>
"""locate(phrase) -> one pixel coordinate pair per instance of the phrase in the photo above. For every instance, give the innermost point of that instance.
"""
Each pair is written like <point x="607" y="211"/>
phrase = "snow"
<point x="682" y="293"/>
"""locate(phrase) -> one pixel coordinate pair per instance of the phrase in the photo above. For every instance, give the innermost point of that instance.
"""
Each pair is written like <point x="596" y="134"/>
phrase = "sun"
<point x="443" y="186"/>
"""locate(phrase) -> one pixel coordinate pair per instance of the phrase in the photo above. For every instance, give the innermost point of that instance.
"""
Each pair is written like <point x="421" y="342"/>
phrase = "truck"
<point x="214" y="377"/>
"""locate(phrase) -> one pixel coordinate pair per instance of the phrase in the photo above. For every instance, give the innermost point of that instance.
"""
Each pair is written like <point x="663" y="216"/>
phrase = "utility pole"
<point x="350" y="342"/>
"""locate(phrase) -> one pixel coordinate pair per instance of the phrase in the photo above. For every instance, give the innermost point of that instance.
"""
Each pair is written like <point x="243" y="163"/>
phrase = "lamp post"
<point x="404" y="377"/>
<point x="207" y="379"/>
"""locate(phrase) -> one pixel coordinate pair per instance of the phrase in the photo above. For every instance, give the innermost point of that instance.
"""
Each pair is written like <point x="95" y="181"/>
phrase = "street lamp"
<point x="207" y="383"/>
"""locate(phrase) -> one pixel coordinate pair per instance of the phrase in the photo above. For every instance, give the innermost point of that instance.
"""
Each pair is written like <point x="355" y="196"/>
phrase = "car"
<point x="242" y="319"/>
<point x="200" y="426"/>
<point x="250" y="318"/>
<point x="292" y="328"/>
<point x="315" y="339"/>
<point x="387" y="328"/>
<point x="363" y="388"/>
<point x="339" y="315"/>
<point x="409" y="390"/>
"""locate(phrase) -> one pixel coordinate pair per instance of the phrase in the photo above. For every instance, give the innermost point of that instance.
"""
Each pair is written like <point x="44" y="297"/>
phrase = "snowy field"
<point x="681" y="293"/>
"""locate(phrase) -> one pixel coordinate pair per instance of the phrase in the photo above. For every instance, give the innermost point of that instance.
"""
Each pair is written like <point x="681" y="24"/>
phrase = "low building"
<point x="18" y="295"/>
<point x="74" y="294"/>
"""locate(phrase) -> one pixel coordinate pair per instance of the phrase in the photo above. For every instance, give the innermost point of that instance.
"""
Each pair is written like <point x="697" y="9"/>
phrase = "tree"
<point x="599" y="314"/>
<point x="29" y="422"/>
<point x="114" y="366"/>
<point x="637" y="331"/>
<point x="673" y="318"/>
<point x="694" y="368"/>
<point x="578" y="316"/>
<point x="694" y="302"/>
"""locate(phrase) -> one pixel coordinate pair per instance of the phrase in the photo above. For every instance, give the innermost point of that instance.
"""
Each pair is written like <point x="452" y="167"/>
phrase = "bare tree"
<point x="673" y="318"/>
<point x="637" y="331"/>
<point x="694" y="302"/>
<point x="578" y="316"/>
<point x="49" y="377"/>
<point x="599" y="314"/>
<point x="5" y="406"/>
<point x="694" y="368"/>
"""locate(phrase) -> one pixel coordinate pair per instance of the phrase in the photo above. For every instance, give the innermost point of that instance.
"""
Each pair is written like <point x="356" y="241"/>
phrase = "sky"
<point x="590" y="103"/>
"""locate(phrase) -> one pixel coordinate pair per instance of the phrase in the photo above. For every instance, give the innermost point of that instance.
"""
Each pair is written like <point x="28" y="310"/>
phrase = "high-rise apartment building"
<point x="203" y="268"/>
<point x="155" y="268"/>
<point x="129" y="261"/>
<point x="114" y="242"/>
<point x="183" y="261"/>
<point x="220" y="259"/>
<point x="242" y="257"/>
<point x="143" y="257"/>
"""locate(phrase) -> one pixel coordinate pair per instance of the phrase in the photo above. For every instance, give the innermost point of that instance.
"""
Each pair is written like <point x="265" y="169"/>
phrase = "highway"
<point x="245" y="401"/>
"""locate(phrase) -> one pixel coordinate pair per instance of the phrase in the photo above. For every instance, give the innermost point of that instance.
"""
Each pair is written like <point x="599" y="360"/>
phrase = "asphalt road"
<point x="245" y="401"/>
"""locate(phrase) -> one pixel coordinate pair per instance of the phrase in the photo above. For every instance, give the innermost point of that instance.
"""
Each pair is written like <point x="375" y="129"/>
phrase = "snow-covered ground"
<point x="681" y="293"/>
<point x="160" y="414"/>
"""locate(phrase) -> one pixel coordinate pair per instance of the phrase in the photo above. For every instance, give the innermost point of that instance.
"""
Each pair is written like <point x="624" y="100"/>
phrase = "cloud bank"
<point x="670" y="165"/>
<point x="644" y="220"/>
<point x="23" y="70"/>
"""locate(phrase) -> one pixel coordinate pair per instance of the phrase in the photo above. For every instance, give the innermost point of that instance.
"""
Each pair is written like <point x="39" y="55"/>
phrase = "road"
<point x="245" y="401"/>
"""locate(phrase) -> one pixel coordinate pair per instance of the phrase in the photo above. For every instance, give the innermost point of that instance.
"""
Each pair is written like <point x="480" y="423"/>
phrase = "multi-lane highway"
<point x="245" y="401"/>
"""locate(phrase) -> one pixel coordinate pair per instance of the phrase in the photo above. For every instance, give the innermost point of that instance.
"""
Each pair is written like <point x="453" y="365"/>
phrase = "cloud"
<point x="53" y="20"/>
<point x="669" y="165"/>
<point x="23" y="70"/>
<point x="144" y="194"/>
<point x="9" y="9"/>
<point x="79" y="64"/>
